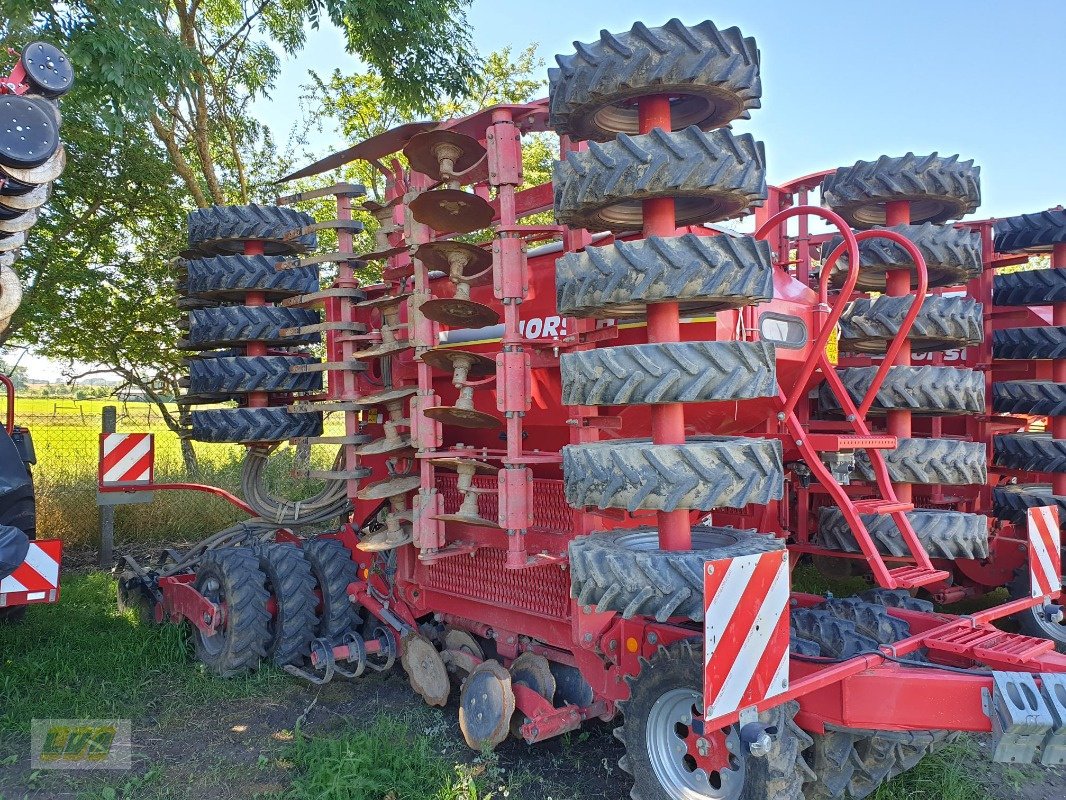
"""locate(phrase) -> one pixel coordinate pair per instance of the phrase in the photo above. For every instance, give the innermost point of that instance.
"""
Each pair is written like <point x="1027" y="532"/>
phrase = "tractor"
<point x="31" y="158"/>
<point x="579" y="461"/>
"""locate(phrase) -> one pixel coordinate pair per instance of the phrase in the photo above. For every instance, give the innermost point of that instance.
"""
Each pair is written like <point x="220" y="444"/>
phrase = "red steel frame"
<point x="520" y="597"/>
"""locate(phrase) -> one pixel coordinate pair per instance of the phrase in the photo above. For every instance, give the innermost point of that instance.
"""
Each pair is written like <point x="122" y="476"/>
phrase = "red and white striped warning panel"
<point x="746" y="631"/>
<point x="1045" y="554"/>
<point x="126" y="458"/>
<point x="35" y="580"/>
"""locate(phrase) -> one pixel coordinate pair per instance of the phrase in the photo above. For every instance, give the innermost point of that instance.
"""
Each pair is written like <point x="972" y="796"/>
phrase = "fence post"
<point x="107" y="513"/>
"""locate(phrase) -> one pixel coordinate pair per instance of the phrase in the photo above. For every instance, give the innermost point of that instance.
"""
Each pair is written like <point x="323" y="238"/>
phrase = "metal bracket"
<point x="1053" y="689"/>
<point x="1020" y="718"/>
<point x="513" y="388"/>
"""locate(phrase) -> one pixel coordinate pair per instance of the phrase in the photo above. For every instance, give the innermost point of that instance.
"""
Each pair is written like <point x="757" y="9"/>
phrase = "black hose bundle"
<point x="332" y="501"/>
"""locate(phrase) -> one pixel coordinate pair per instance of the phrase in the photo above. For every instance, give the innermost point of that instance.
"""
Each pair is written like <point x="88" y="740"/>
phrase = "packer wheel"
<point x="1028" y="343"/>
<point x="703" y="273"/>
<point x="231" y="579"/>
<point x="333" y="570"/>
<point x="1031" y="287"/>
<point x="625" y="571"/>
<point x="224" y="377"/>
<point x="251" y="425"/>
<point x="868" y="326"/>
<point x="711" y="75"/>
<point x="1036" y="398"/>
<point x="1011" y="502"/>
<point x="290" y="583"/>
<point x="1031" y="232"/>
<point x="944" y="534"/>
<point x="952" y="257"/>
<point x="711" y="176"/>
<point x="704" y="473"/>
<point x="225" y="229"/>
<point x="930" y="461"/>
<point x="1035" y="452"/>
<point x="1033" y="621"/>
<point x="937" y="391"/>
<point x="227" y="326"/>
<point x="938" y="188"/>
<point x="656" y="726"/>
<point x="232" y="277"/>
<point x="677" y="372"/>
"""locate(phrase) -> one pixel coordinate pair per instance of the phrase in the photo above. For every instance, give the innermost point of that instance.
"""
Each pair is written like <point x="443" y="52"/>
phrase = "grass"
<point x="66" y="438"/>
<point x="947" y="775"/>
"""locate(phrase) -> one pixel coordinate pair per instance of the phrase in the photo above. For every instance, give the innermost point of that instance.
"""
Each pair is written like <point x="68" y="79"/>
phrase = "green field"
<point x="66" y="437"/>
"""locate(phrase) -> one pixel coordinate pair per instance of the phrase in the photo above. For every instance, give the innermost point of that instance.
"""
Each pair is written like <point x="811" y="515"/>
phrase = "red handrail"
<point x="10" y="386"/>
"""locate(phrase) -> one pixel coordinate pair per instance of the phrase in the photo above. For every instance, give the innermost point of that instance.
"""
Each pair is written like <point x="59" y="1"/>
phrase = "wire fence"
<point x="66" y="439"/>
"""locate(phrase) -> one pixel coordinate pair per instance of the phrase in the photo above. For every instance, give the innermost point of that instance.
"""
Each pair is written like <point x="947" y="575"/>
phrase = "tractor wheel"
<point x="225" y="229"/>
<point x="656" y="721"/>
<point x="713" y="74"/>
<point x="952" y="257"/>
<point x="232" y="277"/>
<point x="237" y="325"/>
<point x="1012" y="501"/>
<point x="230" y="578"/>
<point x="930" y="461"/>
<point x="1035" y="452"/>
<point x="251" y="425"/>
<point x="868" y="326"/>
<point x="945" y="534"/>
<point x="625" y="571"/>
<point x="678" y="372"/>
<point x="1033" y="287"/>
<point x="848" y="762"/>
<point x="1031" y="233"/>
<point x="333" y="569"/>
<point x="704" y="473"/>
<point x="896" y="598"/>
<point x="1036" y="398"/>
<point x="1029" y="343"/>
<point x="1032" y="621"/>
<point x="701" y="273"/>
<point x="220" y="378"/>
<point x="290" y="582"/>
<point x="937" y="391"/>
<point x="713" y="176"/>
<point x="938" y="188"/>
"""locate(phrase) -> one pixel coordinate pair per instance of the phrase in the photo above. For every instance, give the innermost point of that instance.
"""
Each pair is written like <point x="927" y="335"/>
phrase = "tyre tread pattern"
<point x="294" y="593"/>
<point x="252" y="222"/>
<point x="247" y="617"/>
<point x="1037" y="398"/>
<point x="944" y="534"/>
<point x="247" y="425"/>
<point x="231" y="277"/>
<point x="333" y="570"/>
<point x="1030" y="343"/>
<point x="1036" y="452"/>
<point x="1011" y="502"/>
<point x="942" y="323"/>
<point x="229" y="325"/>
<point x="1042" y="230"/>
<point x="921" y="390"/>
<point x="227" y="376"/>
<point x="949" y="462"/>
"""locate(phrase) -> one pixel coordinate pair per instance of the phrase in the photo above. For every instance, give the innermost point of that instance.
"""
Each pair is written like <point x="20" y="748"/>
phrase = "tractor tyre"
<point x="333" y="570"/>
<point x="944" y="534"/>
<point x="290" y="582"/>
<point x="1032" y="287"/>
<point x="1033" y="621"/>
<point x="952" y="257"/>
<point x="938" y="391"/>
<point x="625" y="571"/>
<point x="678" y="372"/>
<point x="656" y="720"/>
<point x="1011" y="502"/>
<point x="712" y="176"/>
<point x="896" y="598"/>
<point x="938" y="188"/>
<point x="1038" y="232"/>
<point x="222" y="230"/>
<point x="714" y="74"/>
<point x="221" y="378"/>
<point x="237" y="325"/>
<point x="1034" y="398"/>
<point x="852" y="763"/>
<point x="231" y="577"/>
<point x="251" y="425"/>
<point x="232" y="277"/>
<point x="1034" y="452"/>
<point x="699" y="273"/>
<point x="868" y="326"/>
<point x="704" y="473"/>
<point x="1029" y="343"/>
<point x="949" y="462"/>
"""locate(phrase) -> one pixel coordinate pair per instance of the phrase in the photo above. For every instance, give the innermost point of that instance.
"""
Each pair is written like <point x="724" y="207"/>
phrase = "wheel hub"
<point x="687" y="763"/>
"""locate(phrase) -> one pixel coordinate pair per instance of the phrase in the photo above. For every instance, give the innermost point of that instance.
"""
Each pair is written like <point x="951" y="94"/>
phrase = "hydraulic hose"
<point x="332" y="501"/>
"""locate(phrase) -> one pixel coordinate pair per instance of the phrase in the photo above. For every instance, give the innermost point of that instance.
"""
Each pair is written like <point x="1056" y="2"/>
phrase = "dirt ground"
<point x="234" y="750"/>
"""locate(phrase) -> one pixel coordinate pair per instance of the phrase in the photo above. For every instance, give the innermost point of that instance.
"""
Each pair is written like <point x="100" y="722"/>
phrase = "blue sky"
<point x="842" y="81"/>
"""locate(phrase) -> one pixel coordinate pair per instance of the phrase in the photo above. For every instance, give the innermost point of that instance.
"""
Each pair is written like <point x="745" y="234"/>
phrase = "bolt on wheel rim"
<point x="676" y="770"/>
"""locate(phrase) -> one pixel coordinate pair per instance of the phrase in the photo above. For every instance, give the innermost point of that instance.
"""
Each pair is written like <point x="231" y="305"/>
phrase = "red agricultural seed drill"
<point x="31" y="158"/>
<point x="579" y="460"/>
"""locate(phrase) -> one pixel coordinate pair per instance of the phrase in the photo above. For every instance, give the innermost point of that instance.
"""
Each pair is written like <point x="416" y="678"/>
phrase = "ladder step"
<point x="833" y="443"/>
<point x="353" y="327"/>
<point x="360" y="438"/>
<point x="879" y="506"/>
<point x="323" y="366"/>
<point x="913" y="577"/>
<point x="316" y="298"/>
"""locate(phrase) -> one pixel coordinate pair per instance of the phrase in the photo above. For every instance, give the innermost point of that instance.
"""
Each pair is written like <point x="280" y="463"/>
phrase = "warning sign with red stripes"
<point x="746" y="631"/>
<point x="1045" y="554"/>
<point x="126" y="458"/>
<point x="35" y="580"/>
